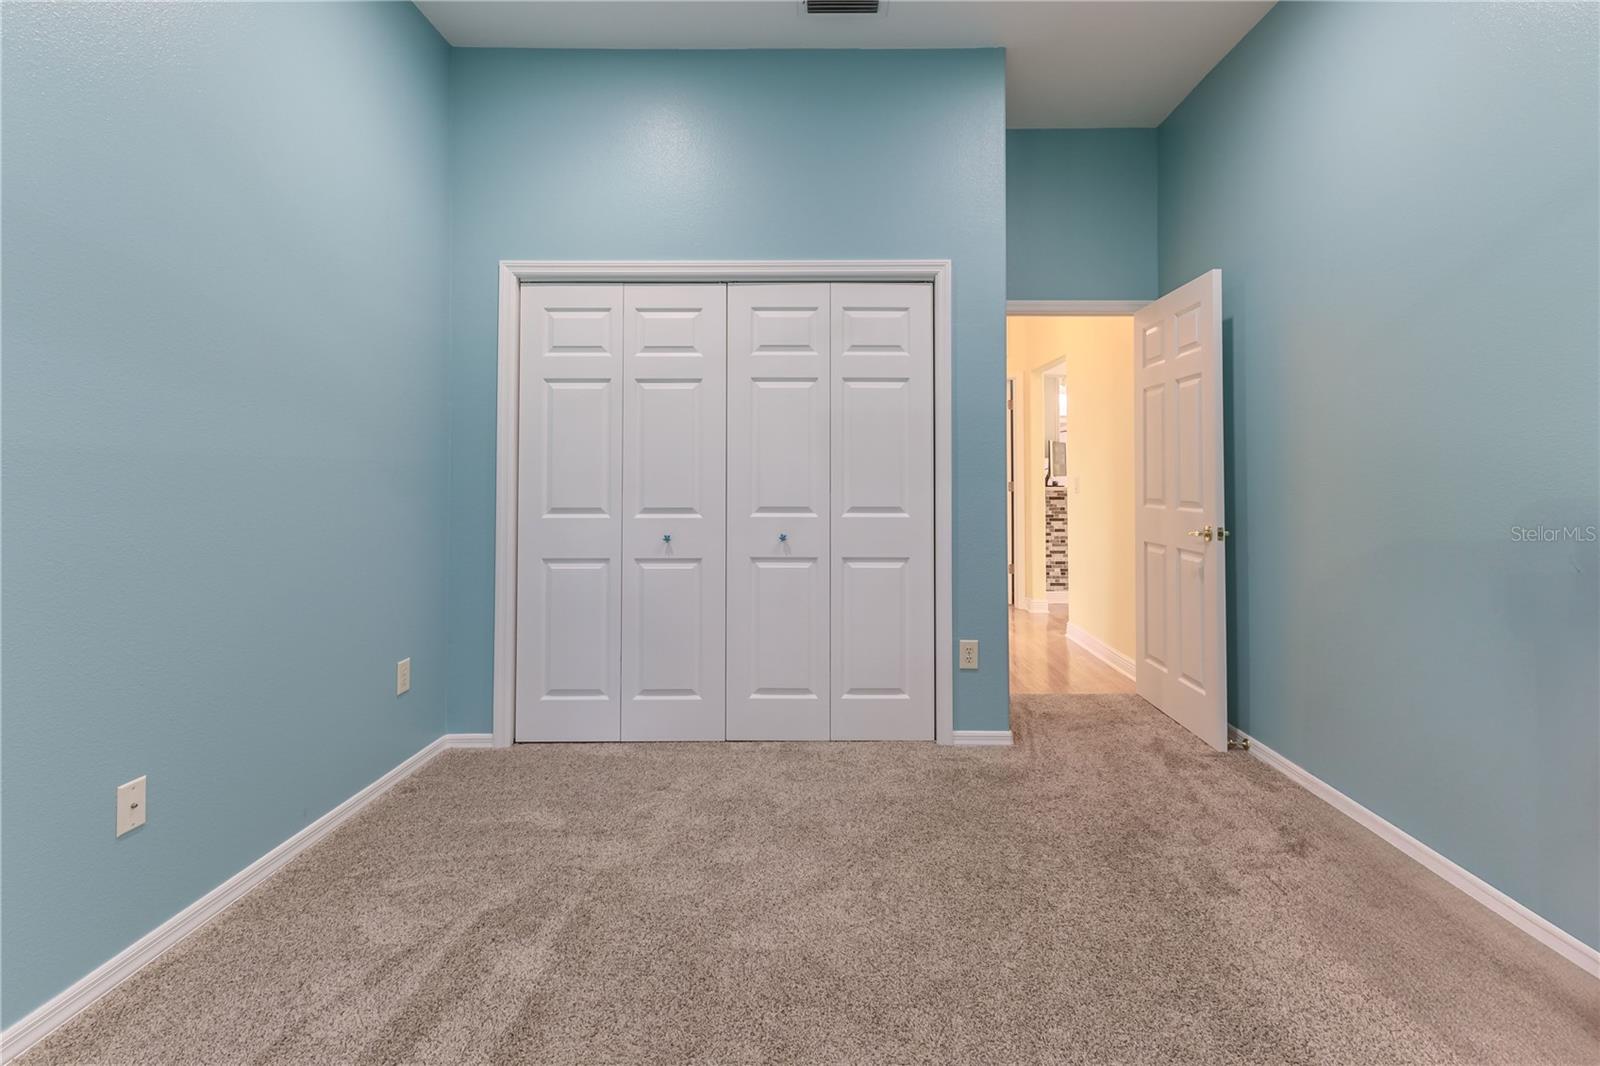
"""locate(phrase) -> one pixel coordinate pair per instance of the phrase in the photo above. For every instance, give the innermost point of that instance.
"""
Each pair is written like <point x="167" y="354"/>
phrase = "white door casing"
<point x="673" y="517"/>
<point x="778" y="519"/>
<point x="882" y="508"/>
<point x="1011" y="492"/>
<point x="1180" y="567"/>
<point x="569" y="589"/>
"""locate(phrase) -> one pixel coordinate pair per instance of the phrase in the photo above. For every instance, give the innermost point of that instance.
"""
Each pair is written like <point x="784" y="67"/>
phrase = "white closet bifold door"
<point x="674" y="524"/>
<point x="882" y="512"/>
<point x="778" y="556"/>
<point x="569" y="500"/>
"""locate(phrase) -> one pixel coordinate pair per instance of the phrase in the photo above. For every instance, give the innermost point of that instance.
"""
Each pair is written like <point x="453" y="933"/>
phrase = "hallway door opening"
<point x="1070" y="381"/>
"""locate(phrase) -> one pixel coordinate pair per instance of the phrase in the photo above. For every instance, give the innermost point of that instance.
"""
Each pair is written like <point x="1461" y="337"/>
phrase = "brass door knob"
<point x="1204" y="532"/>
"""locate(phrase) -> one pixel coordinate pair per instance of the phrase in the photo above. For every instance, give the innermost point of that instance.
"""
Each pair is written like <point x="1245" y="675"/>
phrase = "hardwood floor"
<point x="1044" y="660"/>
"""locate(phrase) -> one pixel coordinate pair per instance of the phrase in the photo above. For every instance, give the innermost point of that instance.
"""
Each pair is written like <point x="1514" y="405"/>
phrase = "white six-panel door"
<point x="673" y="519"/>
<point x="1178" y="573"/>
<point x="778" y="520"/>
<point x="882" y="507"/>
<point x="725" y="512"/>
<point x="569" y="585"/>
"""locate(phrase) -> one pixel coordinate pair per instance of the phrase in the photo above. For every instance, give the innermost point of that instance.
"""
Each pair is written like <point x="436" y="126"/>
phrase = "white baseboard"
<point x="49" y="1016"/>
<point x="1033" y="606"/>
<point x="981" y="738"/>
<point x="1101" y="650"/>
<point x="1558" y="940"/>
<point x="1056" y="596"/>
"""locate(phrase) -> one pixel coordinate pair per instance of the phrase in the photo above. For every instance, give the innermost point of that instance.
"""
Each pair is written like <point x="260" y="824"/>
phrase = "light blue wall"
<point x="743" y="155"/>
<point x="224" y="444"/>
<point x="1081" y="214"/>
<point x="1402" y="200"/>
<point x="230" y="504"/>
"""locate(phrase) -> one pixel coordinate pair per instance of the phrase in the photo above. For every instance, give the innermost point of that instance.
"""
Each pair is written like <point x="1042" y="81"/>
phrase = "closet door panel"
<point x="778" y="530"/>
<point x="674" y="519"/>
<point x="569" y="513"/>
<point x="882" y="512"/>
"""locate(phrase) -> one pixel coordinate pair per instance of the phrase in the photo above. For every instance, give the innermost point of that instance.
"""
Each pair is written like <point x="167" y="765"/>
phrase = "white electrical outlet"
<point x="130" y="806"/>
<point x="402" y="677"/>
<point x="969" y="655"/>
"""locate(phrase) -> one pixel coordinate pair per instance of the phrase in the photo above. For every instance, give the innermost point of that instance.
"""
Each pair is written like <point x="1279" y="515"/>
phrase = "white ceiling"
<point x="1068" y="63"/>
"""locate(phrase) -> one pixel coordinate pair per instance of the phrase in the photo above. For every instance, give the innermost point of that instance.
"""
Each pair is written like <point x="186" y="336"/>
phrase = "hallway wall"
<point x="1100" y="469"/>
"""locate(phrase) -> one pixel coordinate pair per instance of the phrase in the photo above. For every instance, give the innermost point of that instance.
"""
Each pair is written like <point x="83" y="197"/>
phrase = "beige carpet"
<point x="1109" y="890"/>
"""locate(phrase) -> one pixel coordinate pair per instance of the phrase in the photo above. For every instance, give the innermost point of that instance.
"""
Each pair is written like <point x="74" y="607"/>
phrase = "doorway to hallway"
<point x="1071" y="507"/>
<point x="1150" y="603"/>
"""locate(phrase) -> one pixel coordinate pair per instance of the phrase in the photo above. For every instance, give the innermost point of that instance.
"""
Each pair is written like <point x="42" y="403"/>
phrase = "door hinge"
<point x="1011" y="568"/>
<point x="1011" y="486"/>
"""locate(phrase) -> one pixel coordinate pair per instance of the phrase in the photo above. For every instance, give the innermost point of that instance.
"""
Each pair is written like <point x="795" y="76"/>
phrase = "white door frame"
<point x="514" y="272"/>
<point x="1014" y="515"/>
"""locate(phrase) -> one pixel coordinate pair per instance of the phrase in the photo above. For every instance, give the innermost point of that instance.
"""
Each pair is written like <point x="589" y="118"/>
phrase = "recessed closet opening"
<point x="723" y="503"/>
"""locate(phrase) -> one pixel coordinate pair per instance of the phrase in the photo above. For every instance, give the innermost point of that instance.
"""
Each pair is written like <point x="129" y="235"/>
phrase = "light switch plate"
<point x="130" y="806"/>
<point x="402" y="676"/>
<point x="969" y="655"/>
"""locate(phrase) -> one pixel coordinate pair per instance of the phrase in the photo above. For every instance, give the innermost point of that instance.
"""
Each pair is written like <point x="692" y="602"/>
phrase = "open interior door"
<point x="1178" y="518"/>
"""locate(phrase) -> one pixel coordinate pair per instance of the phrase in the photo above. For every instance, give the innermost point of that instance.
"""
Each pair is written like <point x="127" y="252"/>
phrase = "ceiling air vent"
<point x="841" y="7"/>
